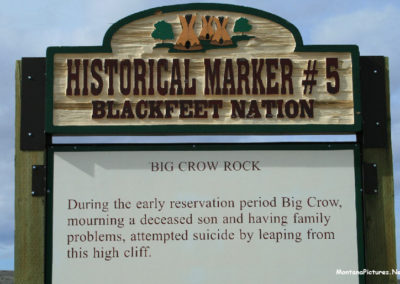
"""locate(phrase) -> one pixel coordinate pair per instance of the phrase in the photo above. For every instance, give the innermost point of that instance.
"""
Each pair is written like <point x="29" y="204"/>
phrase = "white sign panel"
<point x="265" y="216"/>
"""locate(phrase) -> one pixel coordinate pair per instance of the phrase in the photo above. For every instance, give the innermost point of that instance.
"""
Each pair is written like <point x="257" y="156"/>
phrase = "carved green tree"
<point x="242" y="26"/>
<point x="162" y="31"/>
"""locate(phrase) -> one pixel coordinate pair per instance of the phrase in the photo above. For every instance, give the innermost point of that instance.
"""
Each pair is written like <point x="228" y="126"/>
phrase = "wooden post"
<point x="380" y="244"/>
<point x="29" y="210"/>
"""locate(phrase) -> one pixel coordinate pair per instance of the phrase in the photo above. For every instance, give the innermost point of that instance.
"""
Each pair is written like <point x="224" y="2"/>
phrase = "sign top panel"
<point x="202" y="69"/>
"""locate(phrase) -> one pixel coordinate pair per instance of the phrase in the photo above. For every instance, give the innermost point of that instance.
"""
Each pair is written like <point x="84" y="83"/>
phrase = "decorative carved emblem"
<point x="214" y="34"/>
<point x="207" y="31"/>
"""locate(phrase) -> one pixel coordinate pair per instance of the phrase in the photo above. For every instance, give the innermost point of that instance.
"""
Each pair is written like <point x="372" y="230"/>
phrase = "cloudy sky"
<point x="27" y="28"/>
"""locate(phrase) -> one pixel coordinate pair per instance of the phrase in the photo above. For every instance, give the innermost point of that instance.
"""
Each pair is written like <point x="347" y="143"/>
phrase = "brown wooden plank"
<point x="29" y="211"/>
<point x="380" y="240"/>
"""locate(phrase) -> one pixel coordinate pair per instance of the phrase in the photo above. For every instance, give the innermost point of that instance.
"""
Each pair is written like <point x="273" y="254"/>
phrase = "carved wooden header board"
<point x="203" y="68"/>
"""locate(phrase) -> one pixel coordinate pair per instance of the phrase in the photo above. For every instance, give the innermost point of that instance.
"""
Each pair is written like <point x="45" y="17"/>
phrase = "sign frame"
<point x="205" y="147"/>
<point x="370" y="76"/>
<point x="191" y="129"/>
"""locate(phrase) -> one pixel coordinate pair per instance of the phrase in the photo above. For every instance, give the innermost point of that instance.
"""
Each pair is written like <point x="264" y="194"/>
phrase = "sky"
<point x="29" y="27"/>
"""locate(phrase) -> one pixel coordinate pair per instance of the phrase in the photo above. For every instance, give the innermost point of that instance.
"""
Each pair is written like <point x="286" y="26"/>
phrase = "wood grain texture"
<point x="29" y="211"/>
<point x="271" y="40"/>
<point x="379" y="216"/>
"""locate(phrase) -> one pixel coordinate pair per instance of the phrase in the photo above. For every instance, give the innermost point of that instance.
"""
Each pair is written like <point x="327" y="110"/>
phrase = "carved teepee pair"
<point x="189" y="41"/>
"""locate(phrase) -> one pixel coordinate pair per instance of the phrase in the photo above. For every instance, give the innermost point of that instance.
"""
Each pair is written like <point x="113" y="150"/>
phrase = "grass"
<point x="206" y="44"/>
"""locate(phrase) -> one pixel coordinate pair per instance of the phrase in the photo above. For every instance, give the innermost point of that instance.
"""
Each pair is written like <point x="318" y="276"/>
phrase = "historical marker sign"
<point x="203" y="213"/>
<point x="218" y="67"/>
<point x="209" y="213"/>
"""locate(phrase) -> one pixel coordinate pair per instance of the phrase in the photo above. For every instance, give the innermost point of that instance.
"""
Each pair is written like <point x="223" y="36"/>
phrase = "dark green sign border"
<point x="203" y="147"/>
<point x="203" y="129"/>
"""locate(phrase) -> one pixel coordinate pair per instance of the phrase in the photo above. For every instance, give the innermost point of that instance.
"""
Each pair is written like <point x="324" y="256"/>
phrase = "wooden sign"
<point x="262" y="212"/>
<point x="202" y="68"/>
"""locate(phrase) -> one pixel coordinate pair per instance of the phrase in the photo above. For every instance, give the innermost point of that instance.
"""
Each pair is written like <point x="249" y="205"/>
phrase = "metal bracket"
<point x="33" y="103"/>
<point x="373" y="98"/>
<point x="38" y="180"/>
<point x="370" y="178"/>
